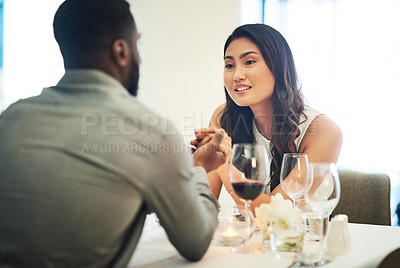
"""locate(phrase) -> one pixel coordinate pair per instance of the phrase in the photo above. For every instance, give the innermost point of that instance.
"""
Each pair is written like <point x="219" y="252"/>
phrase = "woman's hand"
<point x="212" y="150"/>
<point x="203" y="136"/>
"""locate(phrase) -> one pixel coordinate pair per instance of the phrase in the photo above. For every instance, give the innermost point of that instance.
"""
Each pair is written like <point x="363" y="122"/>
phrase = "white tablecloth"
<point x="369" y="245"/>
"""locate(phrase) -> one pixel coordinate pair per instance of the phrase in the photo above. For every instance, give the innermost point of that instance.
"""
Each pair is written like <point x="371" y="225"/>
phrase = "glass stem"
<point x="296" y="202"/>
<point x="249" y="222"/>
<point x="325" y="223"/>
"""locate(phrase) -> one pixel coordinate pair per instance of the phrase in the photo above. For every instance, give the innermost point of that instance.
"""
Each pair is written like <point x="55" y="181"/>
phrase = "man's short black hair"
<point x="84" y="28"/>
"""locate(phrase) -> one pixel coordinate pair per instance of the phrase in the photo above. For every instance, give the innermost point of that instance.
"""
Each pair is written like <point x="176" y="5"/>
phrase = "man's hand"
<point x="213" y="149"/>
<point x="203" y="136"/>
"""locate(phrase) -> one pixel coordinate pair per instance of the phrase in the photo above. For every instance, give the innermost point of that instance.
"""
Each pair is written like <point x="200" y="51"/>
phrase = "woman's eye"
<point x="229" y="66"/>
<point x="250" y="62"/>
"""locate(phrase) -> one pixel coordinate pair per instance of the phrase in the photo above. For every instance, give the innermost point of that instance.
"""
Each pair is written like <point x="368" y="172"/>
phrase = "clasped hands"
<point x="212" y="147"/>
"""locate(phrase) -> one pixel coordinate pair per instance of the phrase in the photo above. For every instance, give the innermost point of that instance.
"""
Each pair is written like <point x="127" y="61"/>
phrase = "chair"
<point x="364" y="198"/>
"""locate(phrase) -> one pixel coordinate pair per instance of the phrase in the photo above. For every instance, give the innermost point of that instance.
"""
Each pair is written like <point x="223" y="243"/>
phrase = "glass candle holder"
<point x="230" y="230"/>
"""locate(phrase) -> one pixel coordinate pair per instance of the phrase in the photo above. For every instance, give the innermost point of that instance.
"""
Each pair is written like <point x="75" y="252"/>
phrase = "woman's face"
<point x="247" y="77"/>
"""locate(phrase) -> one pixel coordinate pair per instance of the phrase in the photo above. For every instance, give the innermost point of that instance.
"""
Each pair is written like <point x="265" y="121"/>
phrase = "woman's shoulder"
<point x="323" y="134"/>
<point x="216" y="116"/>
<point x="309" y="113"/>
<point x="324" y="123"/>
<point x="320" y="122"/>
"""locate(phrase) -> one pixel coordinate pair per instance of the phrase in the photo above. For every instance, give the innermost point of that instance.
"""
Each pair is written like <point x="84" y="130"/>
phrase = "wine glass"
<point x="321" y="198"/>
<point x="324" y="192"/>
<point x="293" y="178"/>
<point x="248" y="172"/>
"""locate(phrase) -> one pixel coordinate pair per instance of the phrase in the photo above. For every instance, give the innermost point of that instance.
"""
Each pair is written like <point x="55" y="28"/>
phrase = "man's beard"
<point x="133" y="85"/>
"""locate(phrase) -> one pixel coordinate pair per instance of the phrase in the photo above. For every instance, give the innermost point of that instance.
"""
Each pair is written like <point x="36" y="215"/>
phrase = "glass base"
<point x="251" y="250"/>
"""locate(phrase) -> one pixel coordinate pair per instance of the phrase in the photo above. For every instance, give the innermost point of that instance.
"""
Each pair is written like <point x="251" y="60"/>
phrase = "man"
<point x="82" y="163"/>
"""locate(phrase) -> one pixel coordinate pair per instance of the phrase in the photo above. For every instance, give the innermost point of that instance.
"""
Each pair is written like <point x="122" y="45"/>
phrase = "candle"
<point x="229" y="235"/>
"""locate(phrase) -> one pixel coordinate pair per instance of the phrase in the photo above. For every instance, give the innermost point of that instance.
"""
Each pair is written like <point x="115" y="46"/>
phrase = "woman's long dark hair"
<point x="287" y="97"/>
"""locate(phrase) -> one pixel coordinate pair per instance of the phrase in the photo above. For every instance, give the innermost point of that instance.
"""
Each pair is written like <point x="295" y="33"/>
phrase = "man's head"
<point x="99" y="34"/>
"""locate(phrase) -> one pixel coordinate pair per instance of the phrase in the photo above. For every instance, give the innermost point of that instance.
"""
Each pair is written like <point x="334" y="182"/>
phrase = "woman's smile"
<point x="241" y="88"/>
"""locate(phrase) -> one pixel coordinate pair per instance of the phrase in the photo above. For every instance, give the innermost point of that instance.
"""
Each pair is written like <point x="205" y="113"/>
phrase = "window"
<point x="348" y="59"/>
<point x="1" y="51"/>
<point x="1" y="33"/>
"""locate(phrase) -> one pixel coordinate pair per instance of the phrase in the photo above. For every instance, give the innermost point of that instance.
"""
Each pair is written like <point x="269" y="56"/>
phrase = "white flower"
<point x="263" y="216"/>
<point x="279" y="212"/>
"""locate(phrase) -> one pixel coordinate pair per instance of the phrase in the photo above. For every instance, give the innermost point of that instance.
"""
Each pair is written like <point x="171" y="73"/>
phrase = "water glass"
<point x="287" y="243"/>
<point x="313" y="247"/>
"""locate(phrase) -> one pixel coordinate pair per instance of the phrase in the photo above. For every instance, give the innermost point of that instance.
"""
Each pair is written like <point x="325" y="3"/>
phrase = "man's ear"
<point x="121" y="52"/>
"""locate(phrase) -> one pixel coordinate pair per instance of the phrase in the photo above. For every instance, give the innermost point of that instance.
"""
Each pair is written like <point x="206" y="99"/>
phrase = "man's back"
<point x="80" y="166"/>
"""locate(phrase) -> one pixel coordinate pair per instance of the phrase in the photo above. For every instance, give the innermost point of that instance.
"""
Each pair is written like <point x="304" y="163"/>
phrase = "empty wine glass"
<point x="248" y="172"/>
<point x="324" y="192"/>
<point x="293" y="178"/>
<point x="321" y="198"/>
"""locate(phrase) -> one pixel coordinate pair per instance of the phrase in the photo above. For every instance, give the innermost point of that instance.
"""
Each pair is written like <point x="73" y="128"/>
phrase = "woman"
<point x="264" y="105"/>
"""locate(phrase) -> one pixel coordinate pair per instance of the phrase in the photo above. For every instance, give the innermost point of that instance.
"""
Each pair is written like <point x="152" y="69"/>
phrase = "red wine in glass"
<point x="248" y="190"/>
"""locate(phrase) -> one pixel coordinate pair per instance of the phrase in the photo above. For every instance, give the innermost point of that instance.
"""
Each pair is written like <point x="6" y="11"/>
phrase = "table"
<point x="369" y="245"/>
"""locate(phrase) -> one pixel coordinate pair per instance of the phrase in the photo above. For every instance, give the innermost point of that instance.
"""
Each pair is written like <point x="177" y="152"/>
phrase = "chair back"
<point x="364" y="198"/>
